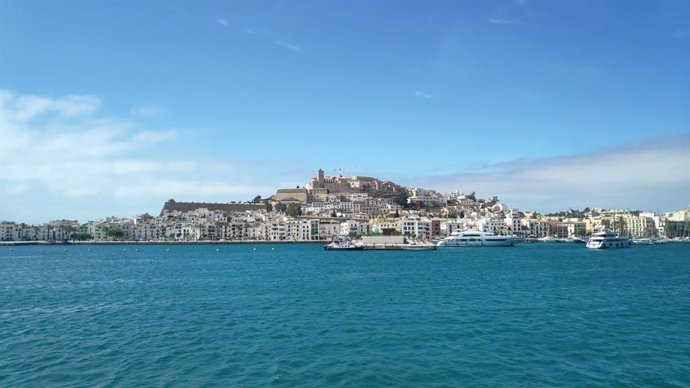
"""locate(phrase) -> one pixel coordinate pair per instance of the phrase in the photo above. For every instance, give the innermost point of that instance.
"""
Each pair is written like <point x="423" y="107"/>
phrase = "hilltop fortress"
<point x="320" y="186"/>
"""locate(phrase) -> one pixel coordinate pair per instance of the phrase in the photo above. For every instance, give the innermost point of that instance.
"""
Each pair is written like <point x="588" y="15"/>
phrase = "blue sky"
<point x="112" y="107"/>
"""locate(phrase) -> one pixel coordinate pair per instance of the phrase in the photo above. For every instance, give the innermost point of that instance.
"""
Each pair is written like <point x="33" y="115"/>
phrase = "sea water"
<point x="299" y="316"/>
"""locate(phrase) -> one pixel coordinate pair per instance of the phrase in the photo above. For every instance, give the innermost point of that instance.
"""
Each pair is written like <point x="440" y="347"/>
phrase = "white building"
<point x="328" y="229"/>
<point x="426" y="197"/>
<point x="354" y="227"/>
<point x="495" y="225"/>
<point x="416" y="226"/>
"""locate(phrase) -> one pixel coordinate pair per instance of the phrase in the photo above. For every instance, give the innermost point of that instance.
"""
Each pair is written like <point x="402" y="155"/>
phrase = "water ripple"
<point x="299" y="316"/>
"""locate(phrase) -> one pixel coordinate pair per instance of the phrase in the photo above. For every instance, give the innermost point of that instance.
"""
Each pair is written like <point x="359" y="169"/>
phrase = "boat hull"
<point x="349" y="248"/>
<point x="485" y="243"/>
<point x="608" y="245"/>
<point x="418" y="247"/>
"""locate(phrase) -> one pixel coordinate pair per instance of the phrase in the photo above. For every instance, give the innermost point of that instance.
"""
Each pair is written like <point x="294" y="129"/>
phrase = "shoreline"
<point x="134" y="242"/>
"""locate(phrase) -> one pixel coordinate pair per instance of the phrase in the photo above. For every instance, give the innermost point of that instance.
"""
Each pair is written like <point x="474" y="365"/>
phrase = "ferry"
<point x="342" y="245"/>
<point x="472" y="238"/>
<point x="607" y="240"/>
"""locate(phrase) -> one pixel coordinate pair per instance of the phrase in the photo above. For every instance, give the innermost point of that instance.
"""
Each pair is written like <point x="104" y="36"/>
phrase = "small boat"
<point x="549" y="239"/>
<point x="643" y="241"/>
<point x="418" y="247"/>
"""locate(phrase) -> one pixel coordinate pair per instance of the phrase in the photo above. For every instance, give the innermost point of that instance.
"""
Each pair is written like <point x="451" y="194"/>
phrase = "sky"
<point x="110" y="108"/>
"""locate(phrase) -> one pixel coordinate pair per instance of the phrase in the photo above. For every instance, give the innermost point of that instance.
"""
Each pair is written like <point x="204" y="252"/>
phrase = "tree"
<point x="115" y="233"/>
<point x="256" y="199"/>
<point x="621" y="225"/>
<point x="401" y="198"/>
<point x="81" y="236"/>
<point x="281" y="207"/>
<point x="294" y="210"/>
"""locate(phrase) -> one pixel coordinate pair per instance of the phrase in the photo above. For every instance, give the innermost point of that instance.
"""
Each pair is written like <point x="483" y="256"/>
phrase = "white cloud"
<point x="22" y="108"/>
<point x="223" y="22"/>
<point x="64" y="155"/>
<point x="423" y="95"/>
<point x="499" y="21"/>
<point x="151" y="137"/>
<point x="652" y="176"/>
<point x="146" y="111"/>
<point x="291" y="47"/>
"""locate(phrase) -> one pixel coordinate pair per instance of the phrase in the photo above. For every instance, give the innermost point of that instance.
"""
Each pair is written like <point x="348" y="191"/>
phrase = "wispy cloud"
<point x="68" y="150"/>
<point x="422" y="95"/>
<point x="223" y="22"/>
<point x="186" y="188"/>
<point x="505" y="22"/>
<point x="649" y="176"/>
<point x="289" y="46"/>
<point x="146" y="111"/>
<point x="22" y="108"/>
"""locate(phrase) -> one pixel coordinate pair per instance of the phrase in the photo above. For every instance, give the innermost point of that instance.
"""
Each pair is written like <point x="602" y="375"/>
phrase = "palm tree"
<point x="621" y="225"/>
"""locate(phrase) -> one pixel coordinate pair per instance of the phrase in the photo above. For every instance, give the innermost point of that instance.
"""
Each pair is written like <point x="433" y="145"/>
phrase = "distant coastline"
<point x="134" y="242"/>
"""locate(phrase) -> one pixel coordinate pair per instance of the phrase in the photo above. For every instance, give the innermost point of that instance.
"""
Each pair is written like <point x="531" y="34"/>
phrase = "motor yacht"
<point x="472" y="238"/>
<point x="606" y="239"/>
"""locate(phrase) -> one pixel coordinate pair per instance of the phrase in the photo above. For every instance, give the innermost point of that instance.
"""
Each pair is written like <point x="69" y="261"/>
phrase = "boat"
<point x="549" y="239"/>
<point x="473" y="238"/>
<point x="342" y="245"/>
<point x="606" y="239"/>
<point x="643" y="241"/>
<point x="418" y="247"/>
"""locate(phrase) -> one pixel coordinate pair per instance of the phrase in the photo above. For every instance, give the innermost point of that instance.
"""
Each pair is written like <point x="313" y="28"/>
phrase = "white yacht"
<point x="473" y="238"/>
<point x="607" y="240"/>
<point x="643" y="241"/>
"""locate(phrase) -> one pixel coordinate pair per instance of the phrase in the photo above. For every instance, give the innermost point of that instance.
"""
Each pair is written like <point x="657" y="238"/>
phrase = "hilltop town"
<point x="329" y="206"/>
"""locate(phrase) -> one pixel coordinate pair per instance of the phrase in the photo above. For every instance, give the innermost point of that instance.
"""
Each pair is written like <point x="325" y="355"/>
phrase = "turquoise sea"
<point x="298" y="316"/>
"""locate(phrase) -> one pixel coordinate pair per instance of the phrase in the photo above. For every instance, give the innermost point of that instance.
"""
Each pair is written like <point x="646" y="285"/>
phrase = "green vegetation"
<point x="293" y="210"/>
<point x="81" y="236"/>
<point x="401" y="199"/>
<point x="115" y="233"/>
